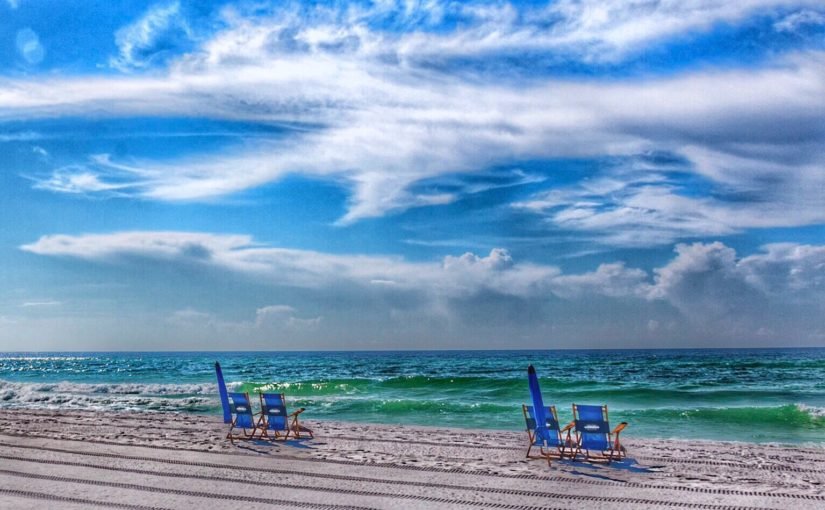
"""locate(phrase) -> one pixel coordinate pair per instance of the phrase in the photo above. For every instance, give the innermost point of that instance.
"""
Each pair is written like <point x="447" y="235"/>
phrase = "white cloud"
<point x="454" y="277"/>
<point x="644" y="205"/>
<point x="592" y="30"/>
<point x="269" y="320"/>
<point x="705" y="293"/>
<point x="77" y="179"/>
<point x="189" y="316"/>
<point x="612" y="280"/>
<point x="21" y="136"/>
<point x="284" y="316"/>
<point x="609" y="29"/>
<point x="709" y="284"/>
<point x="29" y="46"/>
<point x="162" y="245"/>
<point x="385" y="134"/>
<point x="150" y="37"/>
<point x="699" y="273"/>
<point x="382" y="124"/>
<point x="799" y="19"/>
<point x="50" y="302"/>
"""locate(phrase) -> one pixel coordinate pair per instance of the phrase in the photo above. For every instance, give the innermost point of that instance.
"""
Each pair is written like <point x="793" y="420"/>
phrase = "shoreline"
<point x="631" y="432"/>
<point x="103" y="455"/>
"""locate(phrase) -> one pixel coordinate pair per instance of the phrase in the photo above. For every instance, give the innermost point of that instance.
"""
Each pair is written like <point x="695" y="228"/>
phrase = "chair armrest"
<point x="568" y="427"/>
<point x="296" y="413"/>
<point x="620" y="427"/>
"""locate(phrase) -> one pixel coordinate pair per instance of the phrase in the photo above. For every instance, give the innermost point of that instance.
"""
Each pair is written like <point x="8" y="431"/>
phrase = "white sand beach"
<point x="83" y="459"/>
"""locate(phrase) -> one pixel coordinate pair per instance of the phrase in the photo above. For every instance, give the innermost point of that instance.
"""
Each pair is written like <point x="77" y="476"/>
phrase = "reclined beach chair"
<point x="275" y="418"/>
<point x="593" y="434"/>
<point x="241" y="409"/>
<point x="551" y="440"/>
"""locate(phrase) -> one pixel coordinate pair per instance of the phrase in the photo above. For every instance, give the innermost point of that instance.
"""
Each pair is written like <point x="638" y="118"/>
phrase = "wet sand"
<point x="79" y="459"/>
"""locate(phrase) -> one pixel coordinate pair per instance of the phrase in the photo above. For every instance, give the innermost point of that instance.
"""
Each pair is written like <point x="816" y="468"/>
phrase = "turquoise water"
<point x="744" y="395"/>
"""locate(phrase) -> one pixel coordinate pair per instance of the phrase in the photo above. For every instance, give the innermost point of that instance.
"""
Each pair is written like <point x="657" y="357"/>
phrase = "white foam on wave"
<point x="816" y="412"/>
<point x="113" y="396"/>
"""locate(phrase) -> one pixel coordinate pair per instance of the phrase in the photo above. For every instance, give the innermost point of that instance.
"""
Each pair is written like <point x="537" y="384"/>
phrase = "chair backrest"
<point x="241" y="407"/>
<point x="550" y="433"/>
<point x="273" y="406"/>
<point x="592" y="426"/>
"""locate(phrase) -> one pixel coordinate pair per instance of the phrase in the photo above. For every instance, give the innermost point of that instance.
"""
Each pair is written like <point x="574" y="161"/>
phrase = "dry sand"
<point x="75" y="459"/>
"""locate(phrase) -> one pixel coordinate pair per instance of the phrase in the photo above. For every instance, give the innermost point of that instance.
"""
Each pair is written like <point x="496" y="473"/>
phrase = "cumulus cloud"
<point x="700" y="273"/>
<point x="453" y="277"/>
<point x="612" y="280"/>
<point x="706" y="291"/>
<point x="777" y="292"/>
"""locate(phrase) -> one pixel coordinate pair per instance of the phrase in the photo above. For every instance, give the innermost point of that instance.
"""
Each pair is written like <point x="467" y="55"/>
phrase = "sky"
<point x="207" y="175"/>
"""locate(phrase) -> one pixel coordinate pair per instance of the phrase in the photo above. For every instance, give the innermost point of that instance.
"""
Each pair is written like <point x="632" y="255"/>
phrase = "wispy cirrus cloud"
<point x="800" y="19"/>
<point x="590" y="30"/>
<point x="390" y="135"/>
<point x="161" y="33"/>
<point x="48" y="302"/>
<point x="382" y="117"/>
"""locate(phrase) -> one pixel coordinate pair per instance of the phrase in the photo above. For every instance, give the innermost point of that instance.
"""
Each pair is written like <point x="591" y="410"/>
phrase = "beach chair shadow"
<point x="608" y="472"/>
<point x="275" y="419"/>
<point x="240" y="407"/>
<point x="553" y="442"/>
<point x="594" y="437"/>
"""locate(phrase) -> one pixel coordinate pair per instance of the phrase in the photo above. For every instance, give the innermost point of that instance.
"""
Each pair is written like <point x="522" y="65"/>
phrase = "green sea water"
<point x="775" y="395"/>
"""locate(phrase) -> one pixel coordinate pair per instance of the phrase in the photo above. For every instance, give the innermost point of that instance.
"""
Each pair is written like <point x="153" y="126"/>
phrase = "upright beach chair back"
<point x="549" y="435"/>
<point x="274" y="417"/>
<point x="273" y="413"/>
<point x="543" y="422"/>
<point x="593" y="434"/>
<point x="240" y="407"/>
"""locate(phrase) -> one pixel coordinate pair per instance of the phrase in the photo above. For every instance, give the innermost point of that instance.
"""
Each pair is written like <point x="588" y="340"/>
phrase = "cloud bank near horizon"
<point x="706" y="285"/>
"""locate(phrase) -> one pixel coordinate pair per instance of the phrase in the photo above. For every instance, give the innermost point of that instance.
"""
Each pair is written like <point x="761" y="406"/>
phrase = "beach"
<point x="80" y="459"/>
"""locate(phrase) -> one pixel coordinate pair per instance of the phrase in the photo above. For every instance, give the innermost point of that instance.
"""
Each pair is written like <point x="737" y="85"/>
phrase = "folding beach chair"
<point x="593" y="434"/>
<point x="551" y="440"/>
<point x="241" y="409"/>
<point x="275" y="418"/>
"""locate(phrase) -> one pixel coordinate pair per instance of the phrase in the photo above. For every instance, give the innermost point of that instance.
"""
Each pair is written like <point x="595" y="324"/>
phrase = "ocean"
<point x="755" y="395"/>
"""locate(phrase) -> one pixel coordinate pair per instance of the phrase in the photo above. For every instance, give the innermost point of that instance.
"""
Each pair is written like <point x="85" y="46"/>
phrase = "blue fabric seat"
<point x="593" y="434"/>
<point x="240" y="407"/>
<point x="549" y="437"/>
<point x="274" y="418"/>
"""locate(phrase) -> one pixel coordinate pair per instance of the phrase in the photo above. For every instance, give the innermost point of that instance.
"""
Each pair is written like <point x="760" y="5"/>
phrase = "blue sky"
<point x="402" y="175"/>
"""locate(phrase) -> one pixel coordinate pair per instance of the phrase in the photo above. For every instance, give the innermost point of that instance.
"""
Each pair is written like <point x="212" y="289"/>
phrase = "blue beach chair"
<point x="275" y="418"/>
<point x="551" y="440"/>
<point x="240" y="407"/>
<point x="593" y="434"/>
